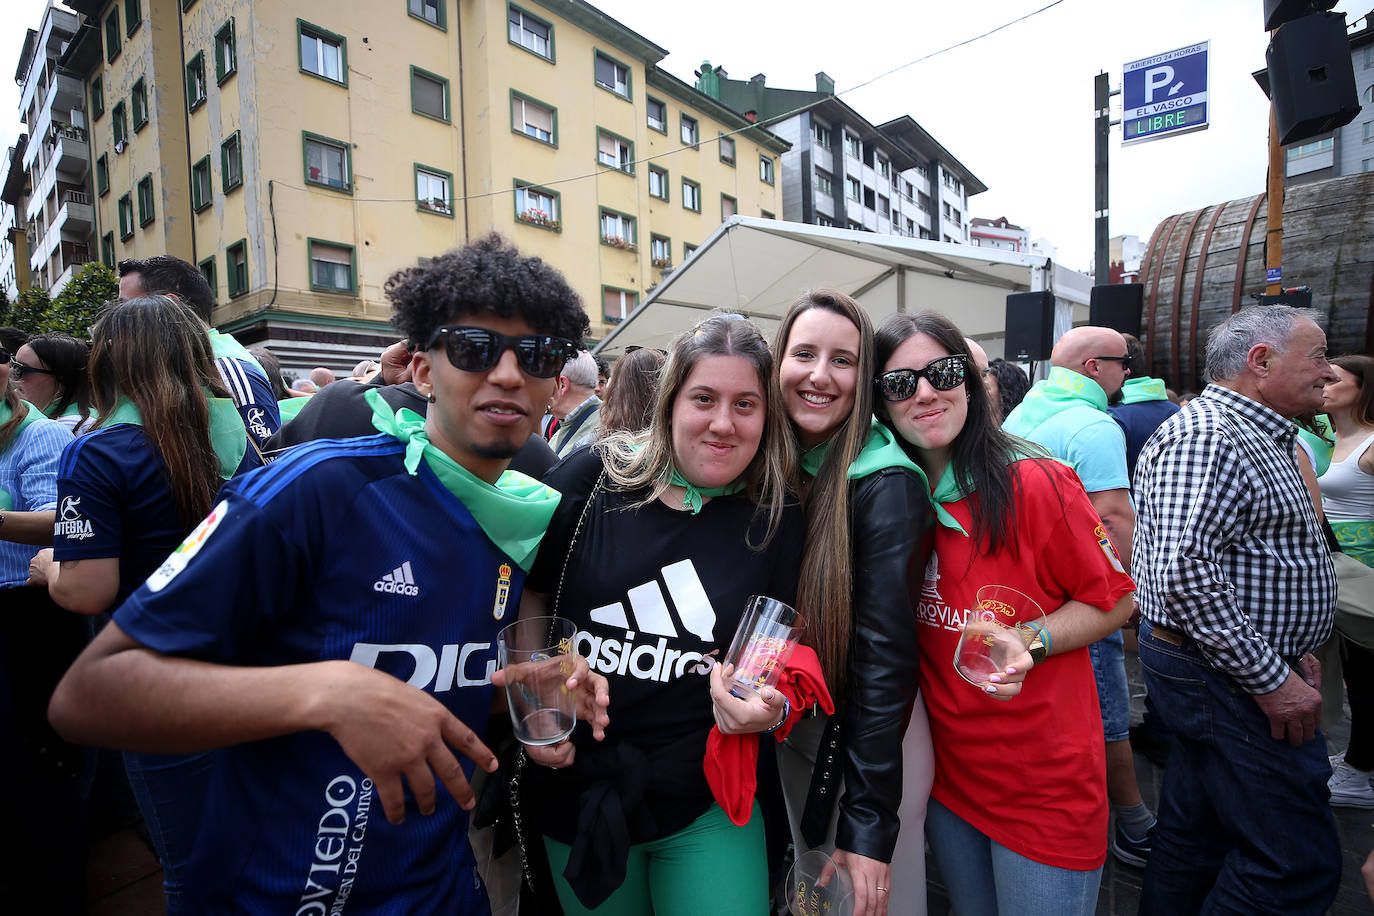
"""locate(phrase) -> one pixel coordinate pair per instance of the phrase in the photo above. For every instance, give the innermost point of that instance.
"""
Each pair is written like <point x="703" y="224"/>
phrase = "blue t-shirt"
<point x="113" y="500"/>
<point x="252" y="394"/>
<point x="333" y="552"/>
<point x="1090" y="441"/>
<point x="1139" y="421"/>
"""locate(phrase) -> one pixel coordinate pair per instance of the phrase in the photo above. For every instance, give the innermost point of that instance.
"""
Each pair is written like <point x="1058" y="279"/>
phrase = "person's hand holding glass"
<point x="993" y="651"/>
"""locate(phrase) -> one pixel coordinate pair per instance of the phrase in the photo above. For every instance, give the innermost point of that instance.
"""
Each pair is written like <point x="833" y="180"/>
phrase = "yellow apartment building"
<point x="302" y="153"/>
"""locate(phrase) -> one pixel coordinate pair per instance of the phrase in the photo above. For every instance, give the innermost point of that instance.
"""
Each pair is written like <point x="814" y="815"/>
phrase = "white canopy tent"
<point x="757" y="267"/>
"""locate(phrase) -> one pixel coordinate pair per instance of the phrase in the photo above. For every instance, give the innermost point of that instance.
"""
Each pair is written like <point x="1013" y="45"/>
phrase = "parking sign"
<point x="1164" y="95"/>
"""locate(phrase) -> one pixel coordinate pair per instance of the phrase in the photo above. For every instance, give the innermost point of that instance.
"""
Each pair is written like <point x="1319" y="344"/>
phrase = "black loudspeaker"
<point x="1299" y="299"/>
<point x="1030" y="326"/>
<point x="1277" y="12"/>
<point x="1311" y="77"/>
<point x="1117" y="306"/>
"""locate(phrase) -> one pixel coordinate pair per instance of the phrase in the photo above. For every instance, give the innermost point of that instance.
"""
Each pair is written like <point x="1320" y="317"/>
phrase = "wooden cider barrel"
<point x="1203" y="265"/>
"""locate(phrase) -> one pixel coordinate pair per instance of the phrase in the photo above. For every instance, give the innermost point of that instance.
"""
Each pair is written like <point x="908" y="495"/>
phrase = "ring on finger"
<point x="881" y="889"/>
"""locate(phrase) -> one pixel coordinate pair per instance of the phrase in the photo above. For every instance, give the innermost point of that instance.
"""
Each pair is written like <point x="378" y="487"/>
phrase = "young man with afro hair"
<point x="344" y="677"/>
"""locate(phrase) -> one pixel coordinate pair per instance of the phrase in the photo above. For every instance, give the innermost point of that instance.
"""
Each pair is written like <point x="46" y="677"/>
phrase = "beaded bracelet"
<point x="786" y="711"/>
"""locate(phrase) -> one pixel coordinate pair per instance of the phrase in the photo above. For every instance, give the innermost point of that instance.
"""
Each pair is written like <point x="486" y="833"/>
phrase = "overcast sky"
<point x="1014" y="107"/>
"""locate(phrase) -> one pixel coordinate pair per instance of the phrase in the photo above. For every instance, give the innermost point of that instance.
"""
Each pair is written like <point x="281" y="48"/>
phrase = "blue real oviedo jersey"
<point x="333" y="552"/>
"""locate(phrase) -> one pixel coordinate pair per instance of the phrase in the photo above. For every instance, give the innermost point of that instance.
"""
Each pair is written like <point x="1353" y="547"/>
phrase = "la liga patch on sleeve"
<point x="188" y="548"/>
<point x="1108" y="548"/>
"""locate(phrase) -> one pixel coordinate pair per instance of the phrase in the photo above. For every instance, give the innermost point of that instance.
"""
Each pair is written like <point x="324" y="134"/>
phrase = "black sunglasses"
<point x="1115" y="359"/>
<point x="943" y="374"/>
<point x="18" y="370"/>
<point x="479" y="350"/>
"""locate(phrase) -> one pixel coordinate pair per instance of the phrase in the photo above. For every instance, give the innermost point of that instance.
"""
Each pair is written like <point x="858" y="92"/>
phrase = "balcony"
<point x="75" y="215"/>
<point x="66" y="93"/>
<point x="75" y="257"/>
<point x="72" y="157"/>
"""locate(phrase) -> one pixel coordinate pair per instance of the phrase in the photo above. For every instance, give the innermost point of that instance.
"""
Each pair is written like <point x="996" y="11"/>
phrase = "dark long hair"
<point x="1362" y="367"/>
<point x="825" y="589"/>
<point x="67" y="358"/>
<point x="982" y="452"/>
<point x="272" y="366"/>
<point x="629" y="403"/>
<point x="155" y="352"/>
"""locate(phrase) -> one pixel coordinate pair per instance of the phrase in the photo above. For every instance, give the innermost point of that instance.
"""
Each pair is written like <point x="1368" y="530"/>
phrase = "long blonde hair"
<point x="642" y="459"/>
<point x="825" y="590"/>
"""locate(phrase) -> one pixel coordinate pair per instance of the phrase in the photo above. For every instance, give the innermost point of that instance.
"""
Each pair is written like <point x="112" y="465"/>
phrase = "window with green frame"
<point x="538" y="206"/>
<point x="658" y="182"/>
<point x="534" y="119"/>
<point x="728" y="207"/>
<point x="615" y="151"/>
<point x="618" y="230"/>
<point x="528" y="31"/>
<point x="433" y="190"/>
<point x="431" y="11"/>
<point x="691" y="195"/>
<point x="126" y="216"/>
<point x="687" y="249"/>
<point x="112" y="38"/>
<point x="660" y="251"/>
<point x="428" y="94"/>
<point x="612" y="75"/>
<point x="145" y="199"/>
<point x="98" y="96"/>
<point x="102" y="174"/>
<point x="327" y="162"/>
<point x="231" y="162"/>
<point x="195" y="82"/>
<point x="133" y="15"/>
<point x="107" y="250"/>
<point x="617" y="304"/>
<point x="236" y="267"/>
<point x="202" y="192"/>
<point x="766" y="169"/>
<point x="226" y="52"/>
<point x="138" y="99"/>
<point x="207" y="270"/>
<point x="120" y="124"/>
<point x="322" y="53"/>
<point x="331" y="266"/>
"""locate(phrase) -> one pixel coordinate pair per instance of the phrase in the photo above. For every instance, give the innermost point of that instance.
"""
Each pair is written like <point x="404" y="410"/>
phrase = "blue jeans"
<point x="1113" y="695"/>
<point x="170" y="790"/>
<point x="1244" y="820"/>
<point x="1019" y="885"/>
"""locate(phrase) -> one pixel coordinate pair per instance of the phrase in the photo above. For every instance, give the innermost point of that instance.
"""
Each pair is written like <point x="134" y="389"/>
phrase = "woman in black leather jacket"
<point x="869" y="519"/>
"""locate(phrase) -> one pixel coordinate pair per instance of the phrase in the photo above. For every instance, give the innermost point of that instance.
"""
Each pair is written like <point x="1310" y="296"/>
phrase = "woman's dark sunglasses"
<point x="943" y="374"/>
<point x="18" y="370"/>
<point x="479" y="350"/>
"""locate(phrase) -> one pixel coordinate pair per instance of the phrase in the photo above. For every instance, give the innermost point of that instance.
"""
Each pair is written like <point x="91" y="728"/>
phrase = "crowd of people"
<point x="279" y="599"/>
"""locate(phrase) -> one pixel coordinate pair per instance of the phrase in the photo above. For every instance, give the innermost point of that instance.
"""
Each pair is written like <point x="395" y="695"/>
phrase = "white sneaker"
<point x="1336" y="760"/>
<point x="1350" y="787"/>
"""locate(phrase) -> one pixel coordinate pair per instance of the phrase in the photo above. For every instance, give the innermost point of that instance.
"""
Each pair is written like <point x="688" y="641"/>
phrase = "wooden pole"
<point x="1273" y="237"/>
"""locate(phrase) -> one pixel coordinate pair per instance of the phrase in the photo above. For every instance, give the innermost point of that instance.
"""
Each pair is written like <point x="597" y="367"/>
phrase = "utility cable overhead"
<point x="761" y="123"/>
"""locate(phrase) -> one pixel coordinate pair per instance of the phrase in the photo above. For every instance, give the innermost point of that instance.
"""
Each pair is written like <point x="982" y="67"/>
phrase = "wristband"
<point x="786" y="711"/>
<point x="1044" y="635"/>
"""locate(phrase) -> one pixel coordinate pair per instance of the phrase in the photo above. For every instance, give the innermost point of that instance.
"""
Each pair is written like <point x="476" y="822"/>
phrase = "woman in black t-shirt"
<point x="670" y="530"/>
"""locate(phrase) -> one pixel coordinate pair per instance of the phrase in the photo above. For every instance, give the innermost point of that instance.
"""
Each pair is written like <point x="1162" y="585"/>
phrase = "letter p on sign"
<point x="1157" y="78"/>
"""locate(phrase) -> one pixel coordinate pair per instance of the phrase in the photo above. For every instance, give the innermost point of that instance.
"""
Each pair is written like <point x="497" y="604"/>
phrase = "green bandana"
<point x="1141" y="389"/>
<point x="948" y="489"/>
<point x="6" y="412"/>
<point x="692" y="499"/>
<point x="1063" y="389"/>
<point x="227" y="435"/>
<point x="882" y="450"/>
<point x="289" y="407"/>
<point x="514" y="513"/>
<point x="73" y="410"/>
<point x="224" y="345"/>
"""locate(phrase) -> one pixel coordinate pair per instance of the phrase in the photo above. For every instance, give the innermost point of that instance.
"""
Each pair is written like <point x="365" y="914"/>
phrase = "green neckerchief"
<point x="1063" y="389"/>
<point x="949" y="491"/>
<point x="1323" y="442"/>
<point x="1141" y="389"/>
<point x="224" y="345"/>
<point x="882" y="450"/>
<point x="692" y="499"/>
<point x="73" y="410"/>
<point x="6" y="412"/>
<point x="227" y="436"/>
<point x="289" y="407"/>
<point x="514" y="513"/>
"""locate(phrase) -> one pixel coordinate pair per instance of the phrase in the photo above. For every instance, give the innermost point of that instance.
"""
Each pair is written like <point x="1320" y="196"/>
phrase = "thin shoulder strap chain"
<point x="577" y="532"/>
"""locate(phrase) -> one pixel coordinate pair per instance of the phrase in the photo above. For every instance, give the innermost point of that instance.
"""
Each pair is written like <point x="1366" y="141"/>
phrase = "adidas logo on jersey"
<point x="397" y="582"/>
<point x="653" y="660"/>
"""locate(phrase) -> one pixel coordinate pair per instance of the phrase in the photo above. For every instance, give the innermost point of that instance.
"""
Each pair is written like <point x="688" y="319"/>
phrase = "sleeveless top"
<point x="1347" y="491"/>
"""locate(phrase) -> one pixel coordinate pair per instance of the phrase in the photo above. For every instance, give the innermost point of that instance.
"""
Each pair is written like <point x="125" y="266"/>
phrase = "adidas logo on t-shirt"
<point x="399" y="581"/>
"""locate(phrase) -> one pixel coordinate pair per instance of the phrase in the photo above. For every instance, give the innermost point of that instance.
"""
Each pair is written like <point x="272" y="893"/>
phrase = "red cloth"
<point x="731" y="762"/>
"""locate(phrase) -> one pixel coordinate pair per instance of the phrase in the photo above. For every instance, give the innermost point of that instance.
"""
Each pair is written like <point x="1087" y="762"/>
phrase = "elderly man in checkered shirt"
<point x="1236" y="588"/>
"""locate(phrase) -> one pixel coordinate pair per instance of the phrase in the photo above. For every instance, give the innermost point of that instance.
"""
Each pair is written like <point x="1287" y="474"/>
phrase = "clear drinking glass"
<point x="989" y="639"/>
<point x="764" y="640"/>
<point x="816" y="886"/>
<point x="536" y="655"/>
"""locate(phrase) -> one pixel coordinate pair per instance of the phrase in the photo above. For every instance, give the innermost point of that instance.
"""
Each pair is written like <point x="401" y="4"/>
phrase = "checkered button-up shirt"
<point x="1227" y="546"/>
